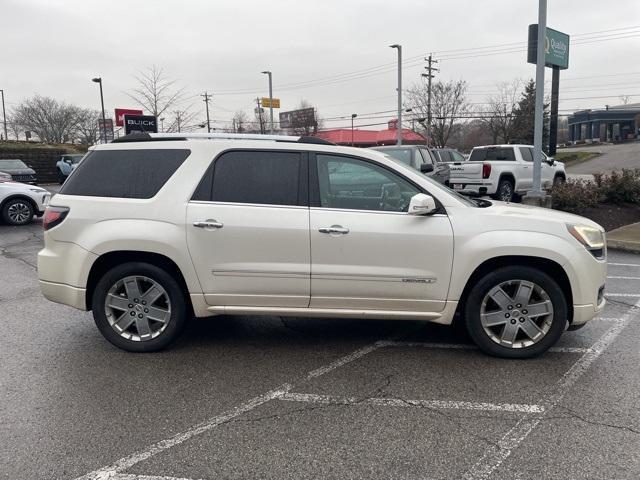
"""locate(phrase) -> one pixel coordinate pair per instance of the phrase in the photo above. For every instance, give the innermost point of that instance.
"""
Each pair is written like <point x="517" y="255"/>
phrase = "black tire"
<point x="505" y="190"/>
<point x="176" y="296"/>
<point x="485" y="284"/>
<point x="558" y="180"/>
<point x="18" y="212"/>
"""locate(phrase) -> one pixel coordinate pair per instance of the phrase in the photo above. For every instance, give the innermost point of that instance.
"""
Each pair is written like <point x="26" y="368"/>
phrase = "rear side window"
<point x="124" y="173"/>
<point x="262" y="177"/>
<point x="482" y="154"/>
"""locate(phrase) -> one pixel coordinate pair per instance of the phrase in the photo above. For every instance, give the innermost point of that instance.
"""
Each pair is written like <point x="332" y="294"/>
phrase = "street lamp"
<point x="4" y="116"/>
<point x="267" y="72"/>
<point x="104" y="121"/>
<point x="162" y="124"/>
<point x="399" y="126"/>
<point x="353" y="115"/>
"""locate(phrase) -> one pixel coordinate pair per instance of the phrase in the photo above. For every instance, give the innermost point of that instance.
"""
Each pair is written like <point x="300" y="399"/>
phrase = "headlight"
<point x="591" y="238"/>
<point x="38" y="190"/>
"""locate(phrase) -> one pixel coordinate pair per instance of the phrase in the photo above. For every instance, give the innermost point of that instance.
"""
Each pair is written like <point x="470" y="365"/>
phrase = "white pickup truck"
<point x="502" y="171"/>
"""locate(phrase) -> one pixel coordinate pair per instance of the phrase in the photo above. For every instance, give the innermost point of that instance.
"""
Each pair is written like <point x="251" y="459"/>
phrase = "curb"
<point x="623" y="245"/>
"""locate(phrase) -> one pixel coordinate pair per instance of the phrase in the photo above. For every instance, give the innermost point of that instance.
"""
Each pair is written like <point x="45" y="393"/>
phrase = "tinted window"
<point x="445" y="156"/>
<point x="124" y="173"/>
<point x="355" y="184"/>
<point x="498" y="153"/>
<point x="267" y="177"/>
<point x="527" y="154"/>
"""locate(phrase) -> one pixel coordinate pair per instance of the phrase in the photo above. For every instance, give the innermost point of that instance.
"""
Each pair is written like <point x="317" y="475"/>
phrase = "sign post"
<point x="121" y="112"/>
<point x="546" y="47"/>
<point x="106" y="129"/>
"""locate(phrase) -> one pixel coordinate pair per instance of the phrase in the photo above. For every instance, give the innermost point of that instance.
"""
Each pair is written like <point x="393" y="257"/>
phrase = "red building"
<point x="372" y="138"/>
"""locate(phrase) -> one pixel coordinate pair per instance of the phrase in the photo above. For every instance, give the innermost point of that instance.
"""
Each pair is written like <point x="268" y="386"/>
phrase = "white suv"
<point x="20" y="202"/>
<point x="153" y="229"/>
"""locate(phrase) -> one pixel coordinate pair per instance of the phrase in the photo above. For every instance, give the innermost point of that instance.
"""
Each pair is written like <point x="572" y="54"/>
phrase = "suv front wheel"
<point x="139" y="307"/>
<point x="516" y="312"/>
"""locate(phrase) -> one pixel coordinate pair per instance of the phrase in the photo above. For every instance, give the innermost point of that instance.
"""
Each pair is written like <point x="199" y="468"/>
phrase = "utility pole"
<point x="267" y="72"/>
<point x="429" y="75"/>
<point x="4" y="116"/>
<point x="399" y="125"/>
<point x="206" y="100"/>
<point x="178" y="119"/>
<point x="538" y="125"/>
<point x="259" y="113"/>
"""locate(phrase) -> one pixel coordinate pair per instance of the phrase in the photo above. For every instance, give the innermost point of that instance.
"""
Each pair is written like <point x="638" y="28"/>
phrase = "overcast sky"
<point x="54" y="48"/>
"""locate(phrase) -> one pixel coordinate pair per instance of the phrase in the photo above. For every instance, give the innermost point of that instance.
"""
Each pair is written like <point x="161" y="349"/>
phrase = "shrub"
<point x="619" y="187"/>
<point x="575" y="196"/>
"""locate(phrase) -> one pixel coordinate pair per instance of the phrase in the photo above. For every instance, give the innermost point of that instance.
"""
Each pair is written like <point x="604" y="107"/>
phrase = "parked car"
<point x="20" y="202"/>
<point x="18" y="170"/>
<point x="66" y="165"/>
<point x="149" y="233"/>
<point x="420" y="158"/>
<point x="502" y="171"/>
<point x="448" y="155"/>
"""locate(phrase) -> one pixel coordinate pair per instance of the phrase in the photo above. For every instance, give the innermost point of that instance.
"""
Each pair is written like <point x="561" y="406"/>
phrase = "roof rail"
<point x="150" y="137"/>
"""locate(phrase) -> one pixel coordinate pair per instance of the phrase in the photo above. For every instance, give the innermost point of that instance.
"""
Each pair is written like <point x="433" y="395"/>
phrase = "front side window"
<point x="349" y="183"/>
<point x="262" y="177"/>
<point x="527" y="154"/>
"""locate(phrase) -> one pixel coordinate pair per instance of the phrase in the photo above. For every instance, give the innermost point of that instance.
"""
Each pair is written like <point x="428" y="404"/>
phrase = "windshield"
<point x="401" y="154"/>
<point x="12" y="164"/>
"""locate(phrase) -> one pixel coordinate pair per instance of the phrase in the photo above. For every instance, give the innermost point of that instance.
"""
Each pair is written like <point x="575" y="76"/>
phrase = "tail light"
<point x="486" y="170"/>
<point x="54" y="216"/>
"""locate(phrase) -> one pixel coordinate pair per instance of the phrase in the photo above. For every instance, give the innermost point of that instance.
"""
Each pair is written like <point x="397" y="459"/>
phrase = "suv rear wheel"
<point x="505" y="190"/>
<point x="139" y="307"/>
<point x="516" y="312"/>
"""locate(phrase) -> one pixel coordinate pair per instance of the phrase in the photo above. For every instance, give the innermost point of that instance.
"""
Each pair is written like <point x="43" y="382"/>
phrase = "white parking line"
<point x="623" y="278"/>
<point x="495" y="455"/>
<point x="398" y="402"/>
<point x="624" y="264"/>
<point x="109" y="472"/>
<point x="464" y="346"/>
<point x="128" y="476"/>
<point x="622" y="294"/>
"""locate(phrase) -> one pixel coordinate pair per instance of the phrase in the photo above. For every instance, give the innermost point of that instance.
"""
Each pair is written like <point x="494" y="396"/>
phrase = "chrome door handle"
<point x="208" y="224"/>
<point x="334" y="229"/>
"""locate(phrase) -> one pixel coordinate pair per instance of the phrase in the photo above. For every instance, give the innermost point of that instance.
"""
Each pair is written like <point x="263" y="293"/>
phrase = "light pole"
<point x="267" y="72"/>
<point x="4" y="116"/>
<point x="353" y="115"/>
<point x="538" y="119"/>
<point x="399" y="126"/>
<point x="104" y="121"/>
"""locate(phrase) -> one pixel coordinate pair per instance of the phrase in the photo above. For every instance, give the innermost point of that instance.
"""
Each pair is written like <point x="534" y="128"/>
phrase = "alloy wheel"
<point x="506" y="192"/>
<point x="138" y="308"/>
<point x="516" y="314"/>
<point x="19" y="212"/>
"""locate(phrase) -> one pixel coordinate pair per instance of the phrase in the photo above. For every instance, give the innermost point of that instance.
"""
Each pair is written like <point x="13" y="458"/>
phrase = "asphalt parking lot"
<point x="267" y="397"/>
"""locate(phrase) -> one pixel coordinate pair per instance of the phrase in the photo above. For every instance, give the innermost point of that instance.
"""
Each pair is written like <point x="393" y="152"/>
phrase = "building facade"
<point x="612" y="124"/>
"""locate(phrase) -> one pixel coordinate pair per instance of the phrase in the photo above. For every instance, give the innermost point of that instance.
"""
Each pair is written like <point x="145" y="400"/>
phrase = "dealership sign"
<point x="556" y="48"/>
<point x="121" y="112"/>
<point x="140" y="123"/>
<point x="305" y="117"/>
<point x="106" y="129"/>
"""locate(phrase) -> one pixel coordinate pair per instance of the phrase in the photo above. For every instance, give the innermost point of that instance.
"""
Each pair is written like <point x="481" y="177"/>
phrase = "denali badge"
<point x="418" y="280"/>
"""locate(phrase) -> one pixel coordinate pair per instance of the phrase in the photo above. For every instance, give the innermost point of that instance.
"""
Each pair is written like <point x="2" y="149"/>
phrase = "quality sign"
<point x="556" y="48"/>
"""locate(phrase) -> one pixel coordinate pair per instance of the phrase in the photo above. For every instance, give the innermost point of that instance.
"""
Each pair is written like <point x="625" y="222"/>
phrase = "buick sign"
<point x="140" y="123"/>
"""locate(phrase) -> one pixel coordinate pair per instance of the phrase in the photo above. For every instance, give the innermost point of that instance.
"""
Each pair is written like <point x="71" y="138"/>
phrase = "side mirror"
<point x="550" y="161"/>
<point x="422" y="204"/>
<point x="426" y="167"/>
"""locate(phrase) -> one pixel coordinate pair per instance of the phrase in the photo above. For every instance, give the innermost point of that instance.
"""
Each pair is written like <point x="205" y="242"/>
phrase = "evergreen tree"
<point x="524" y="115"/>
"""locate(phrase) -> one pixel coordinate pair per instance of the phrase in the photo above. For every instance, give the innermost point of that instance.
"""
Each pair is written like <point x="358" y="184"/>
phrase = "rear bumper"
<point x="65" y="294"/>
<point x="472" y="188"/>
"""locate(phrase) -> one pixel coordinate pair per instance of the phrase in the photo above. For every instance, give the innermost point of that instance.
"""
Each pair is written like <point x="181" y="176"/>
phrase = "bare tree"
<point x="87" y="126"/>
<point x="239" y="122"/>
<point x="182" y="121"/>
<point x="448" y="104"/>
<point x="155" y="92"/>
<point x="15" y="127"/>
<point x="498" y="116"/>
<point x="50" y="120"/>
